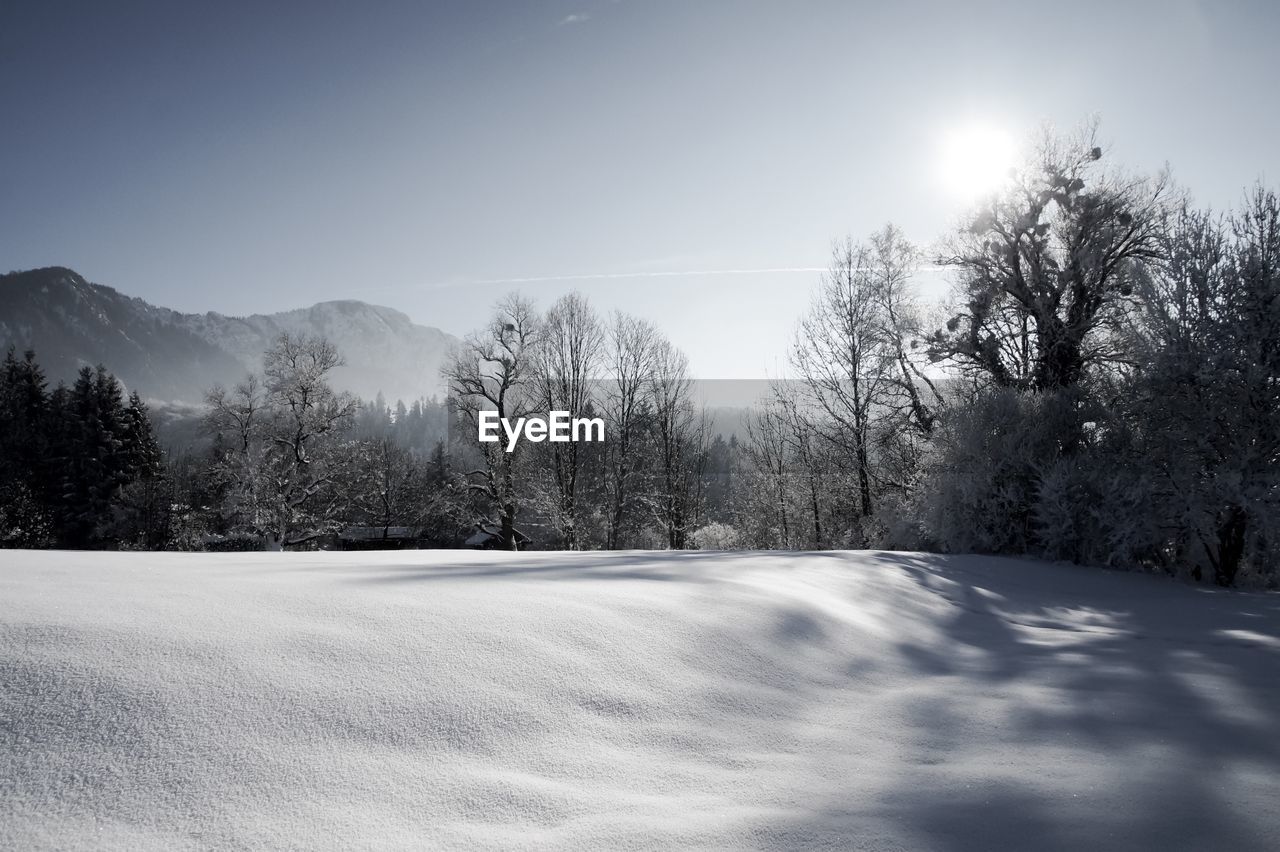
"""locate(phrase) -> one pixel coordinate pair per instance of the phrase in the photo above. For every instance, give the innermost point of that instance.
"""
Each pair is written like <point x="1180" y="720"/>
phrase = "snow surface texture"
<point x="630" y="701"/>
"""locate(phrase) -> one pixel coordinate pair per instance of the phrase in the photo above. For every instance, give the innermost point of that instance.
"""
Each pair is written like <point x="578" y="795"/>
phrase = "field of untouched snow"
<point x="630" y="701"/>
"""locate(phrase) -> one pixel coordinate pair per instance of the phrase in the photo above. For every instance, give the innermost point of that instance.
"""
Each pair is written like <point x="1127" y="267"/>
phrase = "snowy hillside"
<point x="384" y="350"/>
<point x="629" y="701"/>
<point x="171" y="356"/>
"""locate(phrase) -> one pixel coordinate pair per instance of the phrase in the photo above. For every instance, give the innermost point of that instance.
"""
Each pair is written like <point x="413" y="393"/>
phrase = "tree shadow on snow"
<point x="661" y="566"/>
<point x="1149" y="709"/>
<point x="1127" y="711"/>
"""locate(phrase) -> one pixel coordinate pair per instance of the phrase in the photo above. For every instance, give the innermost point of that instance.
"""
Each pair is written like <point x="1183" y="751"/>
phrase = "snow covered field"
<point x="630" y="701"/>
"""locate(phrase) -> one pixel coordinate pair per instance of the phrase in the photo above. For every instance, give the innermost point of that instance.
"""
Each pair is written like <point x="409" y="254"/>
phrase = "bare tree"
<point x="307" y="415"/>
<point x="495" y="370"/>
<point x="1045" y="263"/>
<point x="282" y="464"/>
<point x="768" y="449"/>
<point x="238" y="418"/>
<point x="296" y="370"/>
<point x="389" y="486"/>
<point x="1207" y="392"/>
<point x="568" y="364"/>
<point x="809" y="457"/>
<point x="631" y="349"/>
<point x="912" y="394"/>
<point x="236" y="413"/>
<point x="841" y="355"/>
<point x="679" y="436"/>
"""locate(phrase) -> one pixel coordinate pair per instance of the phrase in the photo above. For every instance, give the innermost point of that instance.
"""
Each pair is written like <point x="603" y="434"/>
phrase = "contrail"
<point x="679" y="273"/>
<point x="675" y="273"/>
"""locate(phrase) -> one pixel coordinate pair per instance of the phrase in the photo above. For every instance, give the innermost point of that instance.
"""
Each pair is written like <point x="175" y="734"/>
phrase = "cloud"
<point x="575" y="18"/>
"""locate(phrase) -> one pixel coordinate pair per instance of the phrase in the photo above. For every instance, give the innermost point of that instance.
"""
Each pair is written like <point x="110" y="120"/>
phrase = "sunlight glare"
<point x="976" y="159"/>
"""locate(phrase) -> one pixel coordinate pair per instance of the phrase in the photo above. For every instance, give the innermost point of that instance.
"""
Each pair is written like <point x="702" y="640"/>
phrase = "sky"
<point x="690" y="162"/>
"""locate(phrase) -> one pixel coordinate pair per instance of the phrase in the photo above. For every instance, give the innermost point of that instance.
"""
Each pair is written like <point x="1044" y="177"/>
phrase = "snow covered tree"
<point x="144" y="503"/>
<point x="495" y="369"/>
<point x="840" y="356"/>
<point x="236" y="421"/>
<point x="911" y="399"/>
<point x="74" y="463"/>
<point x="626" y="407"/>
<point x="1205" y="400"/>
<point x="679" y="437"/>
<point x="281" y="460"/>
<point x="89" y="436"/>
<point x="25" y="517"/>
<point x="768" y="497"/>
<point x="1048" y="271"/>
<point x="1045" y="263"/>
<point x="388" y="486"/>
<point x="793" y="494"/>
<point x="567" y="367"/>
<point x="863" y="379"/>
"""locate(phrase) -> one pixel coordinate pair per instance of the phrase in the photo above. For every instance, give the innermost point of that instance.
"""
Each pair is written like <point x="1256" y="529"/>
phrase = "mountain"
<point x="171" y="356"/>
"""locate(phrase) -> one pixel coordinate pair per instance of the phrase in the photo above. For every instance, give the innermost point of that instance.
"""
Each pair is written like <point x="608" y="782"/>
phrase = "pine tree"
<point x="89" y="451"/>
<point x="24" y="512"/>
<point x="143" y="505"/>
<point x="142" y="454"/>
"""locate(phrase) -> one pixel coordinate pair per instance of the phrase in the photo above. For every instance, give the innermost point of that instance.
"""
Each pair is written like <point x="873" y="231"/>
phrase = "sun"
<point x="975" y="159"/>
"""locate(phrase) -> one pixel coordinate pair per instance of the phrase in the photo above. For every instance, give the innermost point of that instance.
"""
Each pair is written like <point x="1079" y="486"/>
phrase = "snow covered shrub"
<point x="863" y="533"/>
<point x="1130" y="529"/>
<point x="900" y="525"/>
<point x="24" y="522"/>
<point x="1062" y="512"/>
<point x="235" y="542"/>
<point x="1045" y="473"/>
<point x="1204" y="400"/>
<point x="982" y="488"/>
<point x="1262" y="566"/>
<point x="1094" y="509"/>
<point x="649" y="538"/>
<point x="716" y="536"/>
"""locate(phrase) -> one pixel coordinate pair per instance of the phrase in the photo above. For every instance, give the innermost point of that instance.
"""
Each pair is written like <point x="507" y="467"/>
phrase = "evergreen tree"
<point x="24" y="513"/>
<point x="92" y="463"/>
<point x="143" y="504"/>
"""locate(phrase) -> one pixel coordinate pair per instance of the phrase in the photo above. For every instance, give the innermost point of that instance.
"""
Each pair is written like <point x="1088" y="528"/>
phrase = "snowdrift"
<point x="629" y="701"/>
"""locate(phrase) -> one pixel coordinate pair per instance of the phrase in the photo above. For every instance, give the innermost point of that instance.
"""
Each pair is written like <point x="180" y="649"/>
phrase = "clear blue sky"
<point x="252" y="157"/>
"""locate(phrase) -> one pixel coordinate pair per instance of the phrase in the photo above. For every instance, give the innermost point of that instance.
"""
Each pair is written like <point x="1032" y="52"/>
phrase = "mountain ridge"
<point x="172" y="356"/>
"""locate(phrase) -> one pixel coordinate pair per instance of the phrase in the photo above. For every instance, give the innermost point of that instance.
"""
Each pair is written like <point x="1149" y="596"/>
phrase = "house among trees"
<point x="379" y="538"/>
<point x="488" y="536"/>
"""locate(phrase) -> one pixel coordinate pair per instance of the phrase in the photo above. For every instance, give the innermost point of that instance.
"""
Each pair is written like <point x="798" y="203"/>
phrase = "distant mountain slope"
<point x="172" y="356"/>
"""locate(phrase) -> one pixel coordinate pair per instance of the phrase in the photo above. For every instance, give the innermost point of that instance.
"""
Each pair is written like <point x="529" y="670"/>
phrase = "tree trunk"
<point x="782" y="512"/>
<point x="508" y="523"/>
<point x="1060" y="355"/>
<point x="817" y="512"/>
<point x="1234" y="522"/>
<point x="864" y="476"/>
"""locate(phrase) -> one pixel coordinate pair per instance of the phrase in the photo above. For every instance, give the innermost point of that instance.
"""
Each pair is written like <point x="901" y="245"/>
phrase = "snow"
<point x="629" y="701"/>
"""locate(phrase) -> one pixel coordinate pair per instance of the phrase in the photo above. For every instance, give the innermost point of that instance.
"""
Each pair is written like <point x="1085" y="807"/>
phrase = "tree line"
<point x="1103" y="386"/>
<point x="79" y="465"/>
<point x="647" y="485"/>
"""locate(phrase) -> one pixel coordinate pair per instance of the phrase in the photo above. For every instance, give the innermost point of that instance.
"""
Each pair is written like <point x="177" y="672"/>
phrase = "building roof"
<point x="486" y="532"/>
<point x="376" y="533"/>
